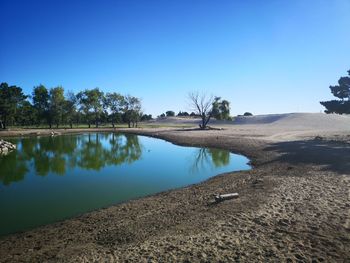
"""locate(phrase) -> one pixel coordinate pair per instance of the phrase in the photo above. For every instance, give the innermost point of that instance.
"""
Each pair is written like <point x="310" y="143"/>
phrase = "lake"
<point x="48" y="179"/>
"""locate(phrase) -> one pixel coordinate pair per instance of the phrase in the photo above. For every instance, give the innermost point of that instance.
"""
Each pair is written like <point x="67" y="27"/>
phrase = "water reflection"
<point x="93" y="151"/>
<point x="57" y="154"/>
<point x="13" y="168"/>
<point x="210" y="156"/>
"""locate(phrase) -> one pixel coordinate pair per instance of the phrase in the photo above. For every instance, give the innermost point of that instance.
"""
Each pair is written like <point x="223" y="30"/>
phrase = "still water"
<point x="52" y="178"/>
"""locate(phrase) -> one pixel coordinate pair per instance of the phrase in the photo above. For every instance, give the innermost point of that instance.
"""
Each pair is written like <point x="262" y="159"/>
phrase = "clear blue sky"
<point x="263" y="56"/>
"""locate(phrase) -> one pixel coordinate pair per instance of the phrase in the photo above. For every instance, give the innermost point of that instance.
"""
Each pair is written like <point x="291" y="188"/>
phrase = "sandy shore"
<point x="293" y="206"/>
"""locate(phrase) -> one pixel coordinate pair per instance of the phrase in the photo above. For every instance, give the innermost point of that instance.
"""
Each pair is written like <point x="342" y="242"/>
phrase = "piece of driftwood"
<point x="213" y="128"/>
<point x="222" y="197"/>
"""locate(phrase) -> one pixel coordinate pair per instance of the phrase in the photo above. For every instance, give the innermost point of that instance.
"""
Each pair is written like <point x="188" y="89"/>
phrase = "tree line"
<point x="171" y="113"/>
<point x="54" y="107"/>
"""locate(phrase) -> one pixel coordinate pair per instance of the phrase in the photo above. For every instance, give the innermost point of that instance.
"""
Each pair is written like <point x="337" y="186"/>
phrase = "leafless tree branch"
<point x="202" y="105"/>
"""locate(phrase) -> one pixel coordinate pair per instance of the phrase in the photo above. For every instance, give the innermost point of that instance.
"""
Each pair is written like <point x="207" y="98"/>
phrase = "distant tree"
<point x="56" y="106"/>
<point x="132" y="110"/>
<point x="40" y="98"/>
<point x="247" y="114"/>
<point x="162" y="115"/>
<point x="146" y="117"/>
<point x="216" y="110"/>
<point x="342" y="92"/>
<point x="70" y="108"/>
<point x="11" y="97"/>
<point x="193" y="114"/>
<point x="115" y="103"/>
<point x="170" y="113"/>
<point x="225" y="109"/>
<point x="221" y="109"/>
<point x="183" y="114"/>
<point x="202" y="105"/>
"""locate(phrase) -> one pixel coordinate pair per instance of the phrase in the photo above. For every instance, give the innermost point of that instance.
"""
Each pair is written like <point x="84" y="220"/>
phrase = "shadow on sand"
<point x="335" y="156"/>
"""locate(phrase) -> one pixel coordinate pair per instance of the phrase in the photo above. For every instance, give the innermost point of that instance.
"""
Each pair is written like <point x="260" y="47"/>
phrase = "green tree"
<point x="225" y="109"/>
<point x="185" y="114"/>
<point x="170" y="113"/>
<point x="56" y="106"/>
<point x="85" y="106"/>
<point x="69" y="109"/>
<point x="40" y="97"/>
<point x="11" y="97"/>
<point x="342" y="92"/>
<point x="114" y="103"/>
<point x="221" y="109"/>
<point x="132" y="110"/>
<point x="96" y="98"/>
<point x="146" y="117"/>
<point x="92" y="104"/>
<point x="26" y="114"/>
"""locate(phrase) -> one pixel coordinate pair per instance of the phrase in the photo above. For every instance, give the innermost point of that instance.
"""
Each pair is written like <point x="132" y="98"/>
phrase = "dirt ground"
<point x="294" y="205"/>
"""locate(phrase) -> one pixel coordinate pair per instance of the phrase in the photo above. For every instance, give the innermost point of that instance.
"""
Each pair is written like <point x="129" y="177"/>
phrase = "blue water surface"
<point x="48" y="179"/>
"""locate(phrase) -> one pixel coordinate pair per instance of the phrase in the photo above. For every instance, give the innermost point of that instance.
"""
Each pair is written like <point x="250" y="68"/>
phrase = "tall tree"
<point x="114" y="103"/>
<point x="92" y="104"/>
<point x="11" y="98"/>
<point x="56" y="106"/>
<point x="202" y="105"/>
<point x="215" y="108"/>
<point x="96" y="99"/>
<point x="342" y="92"/>
<point x="40" y="97"/>
<point x="69" y="108"/>
<point x="85" y="106"/>
<point x="26" y="114"/>
<point x="132" y="110"/>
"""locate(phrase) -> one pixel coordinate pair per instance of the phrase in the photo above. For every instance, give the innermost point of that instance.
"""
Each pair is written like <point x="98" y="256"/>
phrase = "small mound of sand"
<point x="259" y="119"/>
<point x="176" y="120"/>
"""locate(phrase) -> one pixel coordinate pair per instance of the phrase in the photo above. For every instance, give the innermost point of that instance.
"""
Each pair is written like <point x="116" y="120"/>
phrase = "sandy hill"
<point x="286" y="121"/>
<point x="298" y="120"/>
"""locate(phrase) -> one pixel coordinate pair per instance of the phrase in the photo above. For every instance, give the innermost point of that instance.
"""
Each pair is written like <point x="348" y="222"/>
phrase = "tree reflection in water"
<point x="62" y="153"/>
<point x="206" y="156"/>
<point x="13" y="168"/>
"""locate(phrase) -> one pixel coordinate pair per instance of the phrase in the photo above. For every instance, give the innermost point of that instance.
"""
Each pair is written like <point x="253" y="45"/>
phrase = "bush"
<point x="170" y="113"/>
<point x="183" y="114"/>
<point x="247" y="114"/>
<point x="146" y="117"/>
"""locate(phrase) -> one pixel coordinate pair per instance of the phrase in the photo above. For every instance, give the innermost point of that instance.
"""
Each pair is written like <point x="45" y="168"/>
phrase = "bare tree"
<point x="202" y="105"/>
